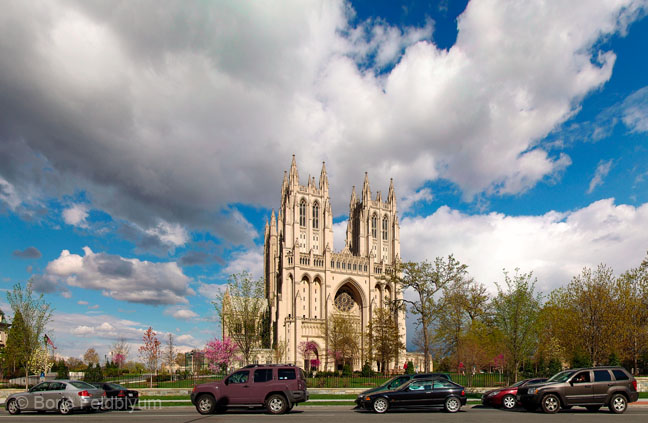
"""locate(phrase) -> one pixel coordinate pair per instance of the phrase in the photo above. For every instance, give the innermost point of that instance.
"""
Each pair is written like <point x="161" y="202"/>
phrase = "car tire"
<point x="593" y="408"/>
<point x="452" y="404"/>
<point x="65" y="406"/>
<point x="618" y="404"/>
<point x="12" y="407"/>
<point x="509" y="402"/>
<point x="380" y="405"/>
<point x="276" y="404"/>
<point x="550" y="403"/>
<point x="205" y="404"/>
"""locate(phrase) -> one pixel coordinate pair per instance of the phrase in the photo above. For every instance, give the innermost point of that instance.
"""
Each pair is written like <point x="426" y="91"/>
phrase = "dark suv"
<point x="277" y="387"/>
<point x="590" y="388"/>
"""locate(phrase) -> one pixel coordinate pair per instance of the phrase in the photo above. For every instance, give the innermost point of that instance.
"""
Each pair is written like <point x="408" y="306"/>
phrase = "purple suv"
<point x="277" y="387"/>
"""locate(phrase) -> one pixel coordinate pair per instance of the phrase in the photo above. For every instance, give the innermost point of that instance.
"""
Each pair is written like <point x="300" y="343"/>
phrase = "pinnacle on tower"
<point x="366" y="191"/>
<point x="284" y="185"/>
<point x="294" y="175"/>
<point x="273" y="223"/>
<point x="391" y="196"/>
<point x="323" y="181"/>
<point x="354" y="200"/>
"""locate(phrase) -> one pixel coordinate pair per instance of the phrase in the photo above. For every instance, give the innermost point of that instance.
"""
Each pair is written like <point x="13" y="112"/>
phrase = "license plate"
<point x="130" y="395"/>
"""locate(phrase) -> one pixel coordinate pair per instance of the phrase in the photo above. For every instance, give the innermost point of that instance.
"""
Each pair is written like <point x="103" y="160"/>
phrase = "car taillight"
<point x="84" y="394"/>
<point x="194" y="389"/>
<point x="463" y="393"/>
<point x="634" y="384"/>
<point x="120" y="394"/>
<point x="103" y="394"/>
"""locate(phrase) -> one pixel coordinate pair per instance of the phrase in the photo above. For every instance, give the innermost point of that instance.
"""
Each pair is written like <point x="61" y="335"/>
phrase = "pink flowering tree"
<point x="220" y="354"/>
<point x="308" y="350"/>
<point x="119" y="359"/>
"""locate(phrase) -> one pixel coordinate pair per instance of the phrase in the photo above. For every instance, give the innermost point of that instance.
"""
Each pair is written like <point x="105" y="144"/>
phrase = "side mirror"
<point x="226" y="381"/>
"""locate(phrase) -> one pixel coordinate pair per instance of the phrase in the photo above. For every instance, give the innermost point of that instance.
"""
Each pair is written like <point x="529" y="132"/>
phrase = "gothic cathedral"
<point x="306" y="281"/>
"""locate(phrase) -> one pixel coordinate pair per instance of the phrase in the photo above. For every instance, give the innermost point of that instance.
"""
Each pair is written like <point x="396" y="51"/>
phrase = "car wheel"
<point x="380" y="405"/>
<point x="509" y="402"/>
<point x="12" y="407"/>
<point x="452" y="405"/>
<point x="65" y="406"/>
<point x="593" y="408"/>
<point x="205" y="404"/>
<point x="618" y="404"/>
<point x="550" y="403"/>
<point x="276" y="404"/>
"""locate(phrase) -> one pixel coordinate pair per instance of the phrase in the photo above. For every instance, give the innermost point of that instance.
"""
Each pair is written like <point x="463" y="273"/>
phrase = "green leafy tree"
<point x="425" y="280"/>
<point x="342" y="335"/>
<point x="410" y="368"/>
<point x="385" y="337"/>
<point x="36" y="314"/>
<point x="242" y="307"/>
<point x="515" y="310"/>
<point x="17" y="352"/>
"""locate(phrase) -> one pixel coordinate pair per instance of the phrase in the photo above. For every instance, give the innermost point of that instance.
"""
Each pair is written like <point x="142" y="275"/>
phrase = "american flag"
<point x="49" y="341"/>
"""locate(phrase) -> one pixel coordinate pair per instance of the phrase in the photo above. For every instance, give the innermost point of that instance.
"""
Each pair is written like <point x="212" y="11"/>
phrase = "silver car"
<point x="63" y="396"/>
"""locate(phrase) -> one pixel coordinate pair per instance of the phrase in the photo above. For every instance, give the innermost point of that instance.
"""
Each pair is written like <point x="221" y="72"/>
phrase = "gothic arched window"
<point x="302" y="213"/>
<point x="374" y="222"/>
<point x="315" y="215"/>
<point x="384" y="227"/>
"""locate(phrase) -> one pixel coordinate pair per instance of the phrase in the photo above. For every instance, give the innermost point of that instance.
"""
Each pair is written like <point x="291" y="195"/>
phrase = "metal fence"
<point x="139" y="381"/>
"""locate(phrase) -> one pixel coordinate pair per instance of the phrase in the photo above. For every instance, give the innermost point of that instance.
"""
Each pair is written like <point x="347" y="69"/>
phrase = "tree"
<point x="75" y="364"/>
<point x="426" y="280"/>
<point x="119" y="352"/>
<point x="93" y="373"/>
<point x="632" y="295"/>
<point x="279" y="351"/>
<point x="150" y="351"/>
<point x="220" y="354"/>
<point x="308" y="350"/>
<point x="62" y="371"/>
<point x="516" y="310"/>
<point x="169" y="354"/>
<point x="385" y="337"/>
<point x="40" y="361"/>
<point x="16" y="352"/>
<point x="342" y="337"/>
<point x="91" y="356"/>
<point x="242" y="308"/>
<point x="36" y="314"/>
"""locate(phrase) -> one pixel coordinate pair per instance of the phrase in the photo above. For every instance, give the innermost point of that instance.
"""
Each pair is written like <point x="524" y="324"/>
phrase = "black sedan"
<point x="417" y="393"/>
<point x="117" y="396"/>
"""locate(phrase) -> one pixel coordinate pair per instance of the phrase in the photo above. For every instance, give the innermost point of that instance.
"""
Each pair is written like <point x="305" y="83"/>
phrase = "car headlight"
<point x="532" y="391"/>
<point x="493" y="393"/>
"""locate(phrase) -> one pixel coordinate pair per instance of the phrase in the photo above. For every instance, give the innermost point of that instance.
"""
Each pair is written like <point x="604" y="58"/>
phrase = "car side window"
<point x="286" y="374"/>
<point x="56" y="386"/>
<point x="416" y="386"/>
<point x="602" y="376"/>
<point x="262" y="375"/>
<point x="40" y="387"/>
<point x="438" y="384"/>
<point x="398" y="382"/>
<point x="239" y="377"/>
<point x="620" y="374"/>
<point x="582" y="377"/>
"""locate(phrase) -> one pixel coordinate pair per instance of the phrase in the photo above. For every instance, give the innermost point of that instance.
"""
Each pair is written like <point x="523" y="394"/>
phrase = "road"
<point x="340" y="414"/>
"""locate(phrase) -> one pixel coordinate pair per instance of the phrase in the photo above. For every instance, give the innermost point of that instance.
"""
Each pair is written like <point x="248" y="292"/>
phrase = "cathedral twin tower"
<point x="306" y="281"/>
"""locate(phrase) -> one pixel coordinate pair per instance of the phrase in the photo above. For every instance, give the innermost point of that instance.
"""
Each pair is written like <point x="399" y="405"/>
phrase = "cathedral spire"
<point x="354" y="200"/>
<point x="323" y="181"/>
<point x="294" y="176"/>
<point x="273" y="224"/>
<point x="391" y="197"/>
<point x="366" y="191"/>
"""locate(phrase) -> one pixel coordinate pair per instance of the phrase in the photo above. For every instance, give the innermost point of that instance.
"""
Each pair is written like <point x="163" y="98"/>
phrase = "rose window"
<point x="344" y="302"/>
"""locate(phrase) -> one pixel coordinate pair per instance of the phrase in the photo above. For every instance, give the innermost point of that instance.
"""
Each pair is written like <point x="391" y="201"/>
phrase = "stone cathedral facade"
<point x="306" y="280"/>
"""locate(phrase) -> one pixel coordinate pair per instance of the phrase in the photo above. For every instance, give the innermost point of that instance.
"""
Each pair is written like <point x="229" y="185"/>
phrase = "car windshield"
<point x="520" y="383"/>
<point x="115" y="386"/>
<point x="561" y="377"/>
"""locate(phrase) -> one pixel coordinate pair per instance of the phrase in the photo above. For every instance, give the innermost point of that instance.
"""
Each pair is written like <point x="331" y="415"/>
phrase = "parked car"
<point x="117" y="396"/>
<point x="506" y="397"/>
<point x="397" y="381"/>
<point x="62" y="395"/>
<point x="432" y="392"/>
<point x="592" y="388"/>
<point x="277" y="387"/>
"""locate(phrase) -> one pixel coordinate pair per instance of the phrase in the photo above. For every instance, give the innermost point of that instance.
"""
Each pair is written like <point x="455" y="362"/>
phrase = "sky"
<point x="143" y="144"/>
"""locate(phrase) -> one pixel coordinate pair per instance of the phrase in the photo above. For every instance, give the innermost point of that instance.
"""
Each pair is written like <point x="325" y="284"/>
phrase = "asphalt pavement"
<point x="340" y="414"/>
